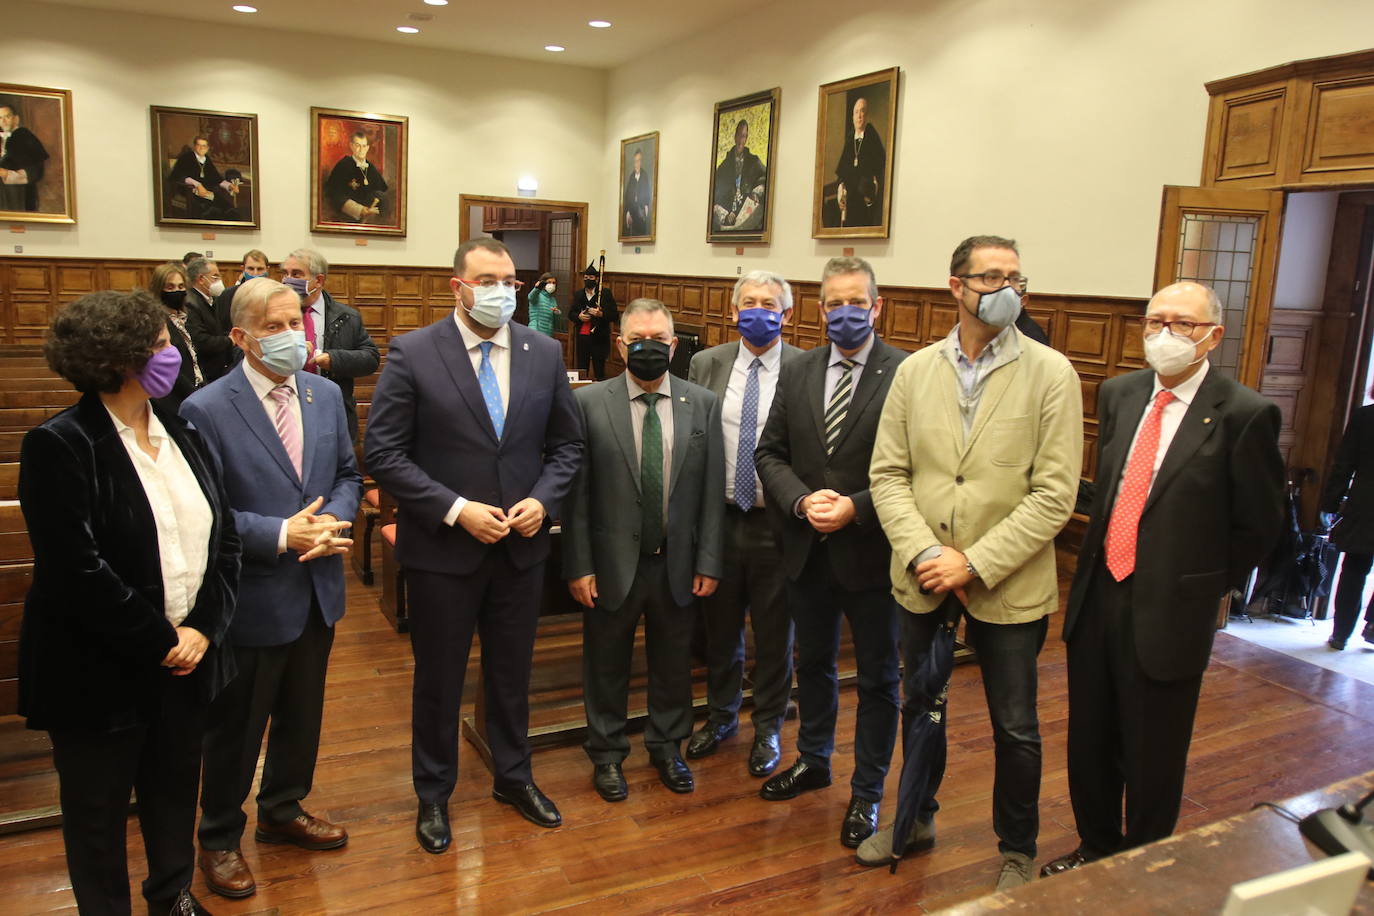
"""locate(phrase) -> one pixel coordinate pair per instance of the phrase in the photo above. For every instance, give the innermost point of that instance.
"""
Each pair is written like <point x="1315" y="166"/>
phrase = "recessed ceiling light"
<point x="244" y="8"/>
<point x="408" y="29"/>
<point x="599" y="24"/>
<point x="437" y="2"/>
<point x="554" y="48"/>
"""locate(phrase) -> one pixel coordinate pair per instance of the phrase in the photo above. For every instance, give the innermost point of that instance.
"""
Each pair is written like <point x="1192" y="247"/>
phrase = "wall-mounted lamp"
<point x="527" y="186"/>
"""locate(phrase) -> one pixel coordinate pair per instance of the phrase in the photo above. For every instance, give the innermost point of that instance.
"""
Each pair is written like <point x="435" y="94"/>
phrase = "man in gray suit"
<point x="744" y="376"/>
<point x="642" y="531"/>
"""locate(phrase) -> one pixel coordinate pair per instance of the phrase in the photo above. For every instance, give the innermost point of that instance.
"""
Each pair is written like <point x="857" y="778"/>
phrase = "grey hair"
<point x="198" y="268"/>
<point x="764" y="278"/>
<point x="312" y="259"/>
<point x="643" y="306"/>
<point x="838" y="266"/>
<point x="252" y="298"/>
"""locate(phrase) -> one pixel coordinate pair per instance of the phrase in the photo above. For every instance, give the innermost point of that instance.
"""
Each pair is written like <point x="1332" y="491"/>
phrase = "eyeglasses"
<point x="489" y="283"/>
<point x="1186" y="328"/>
<point x="996" y="279"/>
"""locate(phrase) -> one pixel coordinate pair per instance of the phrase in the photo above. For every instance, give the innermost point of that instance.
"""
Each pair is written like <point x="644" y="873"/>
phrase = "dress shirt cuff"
<point x="929" y="553"/>
<point x="281" y="537"/>
<point x="451" y="517"/>
<point x="796" y="507"/>
<point x="17" y="176"/>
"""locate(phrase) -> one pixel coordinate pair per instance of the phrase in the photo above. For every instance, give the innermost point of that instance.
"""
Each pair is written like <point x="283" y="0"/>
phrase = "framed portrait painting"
<point x="37" y="181"/>
<point x="638" y="188"/>
<point x="205" y="168"/>
<point x="856" y="121"/>
<point x="358" y="171"/>
<point x="742" y="168"/>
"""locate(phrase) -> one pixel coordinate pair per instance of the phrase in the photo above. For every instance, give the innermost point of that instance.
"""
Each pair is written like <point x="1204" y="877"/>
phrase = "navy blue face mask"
<point x="759" y="326"/>
<point x="848" y="326"/>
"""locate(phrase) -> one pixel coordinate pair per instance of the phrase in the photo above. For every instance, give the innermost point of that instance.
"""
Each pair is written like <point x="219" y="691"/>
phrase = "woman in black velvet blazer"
<point x="121" y="690"/>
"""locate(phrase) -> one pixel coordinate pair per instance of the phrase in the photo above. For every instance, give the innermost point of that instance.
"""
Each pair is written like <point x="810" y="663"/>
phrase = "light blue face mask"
<point x="492" y="306"/>
<point x="283" y="352"/>
<point x="1001" y="308"/>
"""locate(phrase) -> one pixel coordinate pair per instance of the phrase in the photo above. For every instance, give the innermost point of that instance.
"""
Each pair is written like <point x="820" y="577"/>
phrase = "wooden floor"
<point x="1268" y="727"/>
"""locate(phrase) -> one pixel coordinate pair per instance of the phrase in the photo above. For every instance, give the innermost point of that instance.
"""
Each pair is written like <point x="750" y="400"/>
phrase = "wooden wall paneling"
<point x="1250" y="125"/>
<point x="1340" y="129"/>
<point x="1088" y="338"/>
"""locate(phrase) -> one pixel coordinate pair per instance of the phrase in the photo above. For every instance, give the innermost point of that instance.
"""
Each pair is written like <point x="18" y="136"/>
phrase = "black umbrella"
<point x="923" y="715"/>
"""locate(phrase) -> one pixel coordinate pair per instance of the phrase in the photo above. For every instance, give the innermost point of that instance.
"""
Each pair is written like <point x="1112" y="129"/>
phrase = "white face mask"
<point x="1170" y="354"/>
<point x="216" y="288"/>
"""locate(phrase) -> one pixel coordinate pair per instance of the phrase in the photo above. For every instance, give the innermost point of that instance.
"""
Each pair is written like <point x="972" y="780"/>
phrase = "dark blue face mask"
<point x="759" y="326"/>
<point x="848" y="326"/>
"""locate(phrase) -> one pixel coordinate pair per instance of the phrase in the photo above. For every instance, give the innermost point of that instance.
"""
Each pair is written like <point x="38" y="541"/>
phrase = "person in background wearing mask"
<point x="813" y="461"/>
<point x="279" y="438"/>
<point x="203" y="290"/>
<point x="743" y="374"/>
<point x="474" y="432"/>
<point x="1189" y="498"/>
<point x="210" y="327"/>
<point x="168" y="284"/>
<point x="337" y="344"/>
<point x="642" y="539"/>
<point x="542" y="305"/>
<point x="975" y="470"/>
<point x="590" y="316"/>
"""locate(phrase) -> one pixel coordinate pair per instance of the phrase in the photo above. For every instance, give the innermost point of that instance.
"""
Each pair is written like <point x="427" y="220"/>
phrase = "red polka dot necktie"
<point x="1124" y="528"/>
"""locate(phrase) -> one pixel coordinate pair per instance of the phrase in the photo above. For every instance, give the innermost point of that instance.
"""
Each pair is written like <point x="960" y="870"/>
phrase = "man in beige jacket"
<point x="975" y="470"/>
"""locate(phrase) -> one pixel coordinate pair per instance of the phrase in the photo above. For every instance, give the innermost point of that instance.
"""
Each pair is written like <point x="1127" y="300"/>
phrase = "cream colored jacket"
<point x="1001" y="497"/>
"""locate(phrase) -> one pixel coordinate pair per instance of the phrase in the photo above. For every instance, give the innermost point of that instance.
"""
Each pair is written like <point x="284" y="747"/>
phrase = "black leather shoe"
<point x="764" y="756"/>
<point x="674" y="774"/>
<point x="431" y="828"/>
<point x="610" y="782"/>
<point x="529" y="801"/>
<point x="707" y="739"/>
<point x="859" y="822"/>
<point x="798" y="778"/>
<point x="185" y="904"/>
<point x="1064" y="863"/>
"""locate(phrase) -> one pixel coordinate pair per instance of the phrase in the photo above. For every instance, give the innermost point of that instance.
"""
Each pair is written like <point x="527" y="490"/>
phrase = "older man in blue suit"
<point x="474" y="431"/>
<point x="279" y="438"/>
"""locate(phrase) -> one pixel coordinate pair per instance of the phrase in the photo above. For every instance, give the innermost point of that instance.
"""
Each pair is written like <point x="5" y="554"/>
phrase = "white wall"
<point x="1308" y="221"/>
<point x="1055" y="122"/>
<point x="470" y="119"/>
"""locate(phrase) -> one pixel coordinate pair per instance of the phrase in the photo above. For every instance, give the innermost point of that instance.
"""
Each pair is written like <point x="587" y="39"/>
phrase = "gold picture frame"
<point x="638" y="220"/>
<point x="852" y="194"/>
<point x="739" y="199"/>
<point x="205" y="168"/>
<point x="346" y="197"/>
<point x="40" y="144"/>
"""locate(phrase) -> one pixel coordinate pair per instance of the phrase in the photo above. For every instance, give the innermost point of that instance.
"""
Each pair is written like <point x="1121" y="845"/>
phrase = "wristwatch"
<point x="968" y="565"/>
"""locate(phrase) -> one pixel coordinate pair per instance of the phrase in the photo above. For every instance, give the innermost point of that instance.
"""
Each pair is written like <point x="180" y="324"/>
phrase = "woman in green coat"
<point x="542" y="304"/>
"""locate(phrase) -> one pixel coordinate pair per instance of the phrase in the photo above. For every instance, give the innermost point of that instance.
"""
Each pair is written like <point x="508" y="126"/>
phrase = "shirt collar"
<point x="155" y="428"/>
<point x="861" y="357"/>
<point x="770" y="358"/>
<point x="262" y="385"/>
<point x="634" y="390"/>
<point x="1006" y="338"/>
<point x="471" y="341"/>
<point x="1185" y="390"/>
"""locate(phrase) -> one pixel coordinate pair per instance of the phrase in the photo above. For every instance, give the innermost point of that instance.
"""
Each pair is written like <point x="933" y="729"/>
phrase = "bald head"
<point x="1199" y="301"/>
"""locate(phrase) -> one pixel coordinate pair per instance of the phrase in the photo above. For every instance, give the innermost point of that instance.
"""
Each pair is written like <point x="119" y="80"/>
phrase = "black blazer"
<point x="1214" y="511"/>
<point x="1354" y="459"/>
<point x="208" y="324"/>
<point x="792" y="463"/>
<point x="352" y="353"/>
<point x="600" y="335"/>
<point x="94" y="634"/>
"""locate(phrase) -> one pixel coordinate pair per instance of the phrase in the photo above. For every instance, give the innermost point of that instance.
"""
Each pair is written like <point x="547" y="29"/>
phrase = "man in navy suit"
<point x="474" y="431"/>
<point x="280" y="441"/>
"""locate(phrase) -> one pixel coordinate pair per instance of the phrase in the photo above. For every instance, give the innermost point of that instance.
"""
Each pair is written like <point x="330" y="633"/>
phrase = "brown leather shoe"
<point x="305" y="831"/>
<point x="1066" y="862"/>
<point x="226" y="873"/>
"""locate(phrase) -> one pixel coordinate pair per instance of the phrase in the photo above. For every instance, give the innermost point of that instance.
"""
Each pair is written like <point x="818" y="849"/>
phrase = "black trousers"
<point x="590" y="353"/>
<point x="501" y="604"/>
<point x="1007" y="654"/>
<point x="608" y="639"/>
<point x="1128" y="733"/>
<point x="283" y="684"/>
<point x="1350" y="594"/>
<point x="818" y="603"/>
<point x="160" y="760"/>
<point x="753" y="583"/>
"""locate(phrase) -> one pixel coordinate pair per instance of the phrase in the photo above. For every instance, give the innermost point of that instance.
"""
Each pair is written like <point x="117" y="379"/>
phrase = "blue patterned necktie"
<point x="491" y="391"/>
<point x="748" y="437"/>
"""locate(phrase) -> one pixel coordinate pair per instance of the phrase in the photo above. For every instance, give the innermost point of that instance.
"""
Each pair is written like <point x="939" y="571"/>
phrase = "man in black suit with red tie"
<point x="474" y="431"/>
<point x="1189" y="498"/>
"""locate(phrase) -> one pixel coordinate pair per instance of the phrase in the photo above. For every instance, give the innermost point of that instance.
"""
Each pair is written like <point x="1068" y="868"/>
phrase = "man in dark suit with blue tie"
<point x="279" y="439"/>
<point x="473" y="430"/>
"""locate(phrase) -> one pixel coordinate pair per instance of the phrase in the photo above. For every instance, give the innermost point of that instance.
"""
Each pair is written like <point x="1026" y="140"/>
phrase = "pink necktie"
<point x="308" y="315"/>
<point x="1124" y="527"/>
<point x="288" y="427"/>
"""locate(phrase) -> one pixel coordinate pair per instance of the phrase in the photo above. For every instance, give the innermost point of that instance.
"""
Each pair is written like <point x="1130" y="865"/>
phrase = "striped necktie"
<point x="288" y="427"/>
<point x="838" y="408"/>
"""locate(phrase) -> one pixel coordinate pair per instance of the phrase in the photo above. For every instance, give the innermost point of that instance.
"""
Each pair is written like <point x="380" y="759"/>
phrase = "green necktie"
<point x="651" y="476"/>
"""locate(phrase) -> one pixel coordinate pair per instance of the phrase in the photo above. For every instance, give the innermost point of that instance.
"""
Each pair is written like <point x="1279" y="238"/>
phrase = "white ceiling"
<point x="508" y="28"/>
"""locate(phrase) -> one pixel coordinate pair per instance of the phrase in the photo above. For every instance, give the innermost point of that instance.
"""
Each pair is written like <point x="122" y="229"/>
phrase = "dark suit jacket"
<point x="430" y="440"/>
<point x="1353" y="498"/>
<point x="602" y="517"/>
<point x="209" y="324"/>
<point x="25" y="152"/>
<point x="600" y="337"/>
<point x="792" y="463"/>
<point x="94" y="631"/>
<point x="1214" y="511"/>
<point x="352" y="353"/>
<point x="264" y="489"/>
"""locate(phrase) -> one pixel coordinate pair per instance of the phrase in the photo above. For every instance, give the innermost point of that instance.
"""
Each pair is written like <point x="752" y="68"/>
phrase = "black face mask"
<point x="174" y="298"/>
<point x="589" y="282"/>
<point x="647" y="359"/>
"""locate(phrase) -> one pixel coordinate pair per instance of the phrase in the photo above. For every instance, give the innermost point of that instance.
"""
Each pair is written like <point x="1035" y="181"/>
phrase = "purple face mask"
<point x="160" y="374"/>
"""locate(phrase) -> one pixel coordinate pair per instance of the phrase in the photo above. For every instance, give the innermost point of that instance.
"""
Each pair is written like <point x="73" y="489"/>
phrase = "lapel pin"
<point x="309" y="399"/>
<point x="525" y="346"/>
<point x="683" y="399"/>
<point x="1206" y="420"/>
